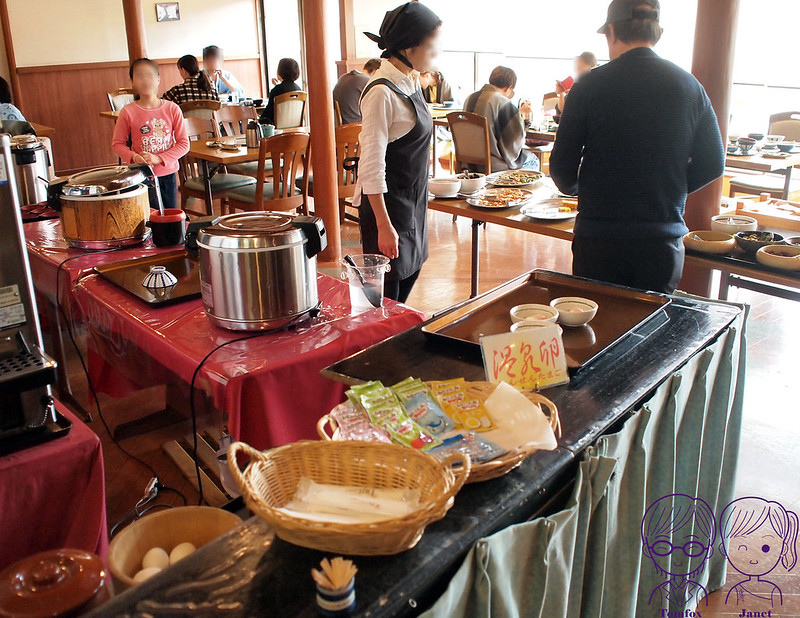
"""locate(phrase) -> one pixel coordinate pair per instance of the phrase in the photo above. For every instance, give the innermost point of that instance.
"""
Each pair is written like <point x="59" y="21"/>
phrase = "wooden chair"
<point x="191" y="177"/>
<point x="347" y="153"/>
<point x="290" y="109"/>
<point x="288" y="152"/>
<point x="337" y="114"/>
<point x="788" y="125"/>
<point x="201" y="108"/>
<point x="119" y="98"/>
<point x="471" y="141"/>
<point x="232" y="119"/>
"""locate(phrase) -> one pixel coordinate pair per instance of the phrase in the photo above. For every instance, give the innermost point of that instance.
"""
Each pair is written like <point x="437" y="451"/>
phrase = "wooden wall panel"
<point x="70" y="97"/>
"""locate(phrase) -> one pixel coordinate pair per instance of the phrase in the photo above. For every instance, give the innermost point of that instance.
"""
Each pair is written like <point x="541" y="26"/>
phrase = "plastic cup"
<point x="373" y="269"/>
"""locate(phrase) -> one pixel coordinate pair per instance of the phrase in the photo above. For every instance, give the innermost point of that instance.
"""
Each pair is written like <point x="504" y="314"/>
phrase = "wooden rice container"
<point x="105" y="218"/>
<point x="479" y="472"/>
<point x="270" y="479"/>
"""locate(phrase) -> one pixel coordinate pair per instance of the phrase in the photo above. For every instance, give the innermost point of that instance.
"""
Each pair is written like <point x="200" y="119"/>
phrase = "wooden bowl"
<point x="784" y="257"/>
<point x="708" y="241"/>
<point x="196" y="524"/>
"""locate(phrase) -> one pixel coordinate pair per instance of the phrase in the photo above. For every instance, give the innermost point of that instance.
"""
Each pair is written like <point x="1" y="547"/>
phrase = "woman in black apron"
<point x="394" y="221"/>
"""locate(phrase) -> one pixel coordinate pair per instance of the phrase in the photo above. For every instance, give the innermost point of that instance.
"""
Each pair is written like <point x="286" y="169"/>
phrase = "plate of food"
<point x="499" y="198"/>
<point x="554" y="209"/>
<point x="515" y="178"/>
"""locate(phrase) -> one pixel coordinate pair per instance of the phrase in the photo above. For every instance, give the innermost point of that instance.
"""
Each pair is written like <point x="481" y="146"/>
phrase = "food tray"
<point x="328" y="429"/>
<point x="129" y="275"/>
<point x="621" y="311"/>
<point x="47" y="432"/>
<point x="737" y="257"/>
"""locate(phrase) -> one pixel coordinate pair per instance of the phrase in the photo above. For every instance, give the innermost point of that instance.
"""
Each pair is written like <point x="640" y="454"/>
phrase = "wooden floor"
<point x="770" y="459"/>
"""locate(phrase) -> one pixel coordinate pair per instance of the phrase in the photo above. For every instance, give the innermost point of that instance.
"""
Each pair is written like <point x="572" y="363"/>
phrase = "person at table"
<point x="8" y="111"/>
<point x="583" y="64"/>
<point x="348" y="89"/>
<point x="637" y="135"/>
<point x="152" y="131"/>
<point x="223" y="81"/>
<point x="506" y="126"/>
<point x="435" y="88"/>
<point x="392" y="187"/>
<point x="195" y="86"/>
<point x="288" y="74"/>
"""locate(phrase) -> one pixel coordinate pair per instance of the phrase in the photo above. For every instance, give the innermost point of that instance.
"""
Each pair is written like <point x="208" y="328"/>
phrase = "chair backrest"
<point x="288" y="151"/>
<point x="347" y="153"/>
<point x="232" y="119"/>
<point x="196" y="129"/>
<point x="471" y="140"/>
<point x="787" y="124"/>
<point x="119" y="98"/>
<point x="549" y="101"/>
<point x="200" y="108"/>
<point x="337" y="114"/>
<point x="290" y="109"/>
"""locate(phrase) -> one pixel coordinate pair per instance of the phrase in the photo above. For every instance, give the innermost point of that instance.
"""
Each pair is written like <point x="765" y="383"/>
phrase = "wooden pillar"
<point x="134" y="28"/>
<point x="347" y="35"/>
<point x="712" y="65"/>
<point x="11" y="56"/>
<point x="323" y="147"/>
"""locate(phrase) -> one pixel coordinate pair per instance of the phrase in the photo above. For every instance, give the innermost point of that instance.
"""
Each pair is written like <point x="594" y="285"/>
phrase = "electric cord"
<point x="313" y="313"/>
<point x="68" y="324"/>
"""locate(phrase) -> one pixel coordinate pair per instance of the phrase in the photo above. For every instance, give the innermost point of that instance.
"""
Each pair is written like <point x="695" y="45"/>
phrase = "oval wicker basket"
<point x="328" y="430"/>
<point x="270" y="479"/>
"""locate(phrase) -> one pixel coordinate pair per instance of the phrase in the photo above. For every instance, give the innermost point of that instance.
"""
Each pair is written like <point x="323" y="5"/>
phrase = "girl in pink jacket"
<point x="151" y="130"/>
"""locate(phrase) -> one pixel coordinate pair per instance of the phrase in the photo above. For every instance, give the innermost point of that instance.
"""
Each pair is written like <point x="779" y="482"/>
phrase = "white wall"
<point x="231" y="24"/>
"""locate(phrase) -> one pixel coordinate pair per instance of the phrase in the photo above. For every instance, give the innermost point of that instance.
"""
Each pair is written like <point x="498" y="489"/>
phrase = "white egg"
<point x="181" y="551"/>
<point x="145" y="574"/>
<point x="156" y="557"/>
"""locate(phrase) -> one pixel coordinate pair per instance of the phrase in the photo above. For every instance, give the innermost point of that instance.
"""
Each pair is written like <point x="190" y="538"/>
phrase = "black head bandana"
<point x="403" y="28"/>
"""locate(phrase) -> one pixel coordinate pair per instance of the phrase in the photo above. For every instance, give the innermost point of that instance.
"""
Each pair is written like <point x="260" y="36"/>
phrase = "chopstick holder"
<point x="336" y="592"/>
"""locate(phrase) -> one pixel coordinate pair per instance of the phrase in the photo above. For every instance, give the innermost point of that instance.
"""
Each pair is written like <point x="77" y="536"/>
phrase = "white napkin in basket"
<point x="519" y="421"/>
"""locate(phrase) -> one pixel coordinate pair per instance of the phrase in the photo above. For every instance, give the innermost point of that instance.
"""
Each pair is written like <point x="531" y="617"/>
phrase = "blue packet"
<point x="428" y="414"/>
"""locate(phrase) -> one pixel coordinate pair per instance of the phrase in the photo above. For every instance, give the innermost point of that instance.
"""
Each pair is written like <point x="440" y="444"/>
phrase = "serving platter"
<point x="622" y="311"/>
<point x="499" y="198"/>
<point x="515" y="178"/>
<point x="129" y="275"/>
<point x="549" y="210"/>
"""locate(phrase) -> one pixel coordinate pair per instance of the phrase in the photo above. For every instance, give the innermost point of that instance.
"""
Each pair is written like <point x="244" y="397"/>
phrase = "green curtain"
<point x="587" y="560"/>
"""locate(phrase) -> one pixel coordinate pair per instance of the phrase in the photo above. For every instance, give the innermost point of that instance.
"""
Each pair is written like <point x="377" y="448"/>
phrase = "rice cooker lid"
<point x="26" y="142"/>
<point x="103" y="180"/>
<point x="252" y="230"/>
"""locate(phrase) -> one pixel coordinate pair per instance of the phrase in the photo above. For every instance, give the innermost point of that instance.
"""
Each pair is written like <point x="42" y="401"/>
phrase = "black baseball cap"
<point x="624" y="10"/>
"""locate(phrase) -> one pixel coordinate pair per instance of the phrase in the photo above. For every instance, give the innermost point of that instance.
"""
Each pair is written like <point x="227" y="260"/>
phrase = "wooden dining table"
<point x="213" y="158"/>
<point x="760" y="163"/>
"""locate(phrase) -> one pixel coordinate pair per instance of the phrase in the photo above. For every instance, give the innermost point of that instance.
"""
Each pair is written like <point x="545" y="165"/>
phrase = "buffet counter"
<point x="676" y="382"/>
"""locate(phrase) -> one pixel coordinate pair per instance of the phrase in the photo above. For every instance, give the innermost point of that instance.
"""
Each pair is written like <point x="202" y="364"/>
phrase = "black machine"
<point x="27" y="412"/>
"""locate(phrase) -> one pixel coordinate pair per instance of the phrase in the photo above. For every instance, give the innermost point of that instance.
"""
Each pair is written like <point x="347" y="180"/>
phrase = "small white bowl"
<point x="574" y="310"/>
<point x="542" y="313"/>
<point x="774" y="139"/>
<point x="785" y="257"/>
<point x="707" y="241"/>
<point x="532" y="325"/>
<point x="444" y="187"/>
<point x="475" y="183"/>
<point x="730" y="224"/>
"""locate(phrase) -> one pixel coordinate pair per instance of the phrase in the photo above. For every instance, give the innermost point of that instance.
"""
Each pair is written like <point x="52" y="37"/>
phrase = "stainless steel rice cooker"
<point x="258" y="270"/>
<point x="32" y="168"/>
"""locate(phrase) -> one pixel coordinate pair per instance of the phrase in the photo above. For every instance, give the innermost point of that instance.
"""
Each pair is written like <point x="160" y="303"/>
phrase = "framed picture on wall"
<point x="167" y="11"/>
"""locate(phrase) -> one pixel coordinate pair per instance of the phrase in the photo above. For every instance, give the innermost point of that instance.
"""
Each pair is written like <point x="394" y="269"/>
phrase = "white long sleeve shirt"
<point x="385" y="117"/>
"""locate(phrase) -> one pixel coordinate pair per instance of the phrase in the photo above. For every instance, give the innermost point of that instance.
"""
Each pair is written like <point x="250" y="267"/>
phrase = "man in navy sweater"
<point x="636" y="137"/>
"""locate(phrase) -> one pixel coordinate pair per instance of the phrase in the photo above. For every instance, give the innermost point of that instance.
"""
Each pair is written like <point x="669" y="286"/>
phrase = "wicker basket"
<point x="270" y="479"/>
<point x="328" y="430"/>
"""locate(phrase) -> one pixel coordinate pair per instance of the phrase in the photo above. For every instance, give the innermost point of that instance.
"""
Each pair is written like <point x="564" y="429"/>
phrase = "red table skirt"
<point x="268" y="387"/>
<point x="53" y="496"/>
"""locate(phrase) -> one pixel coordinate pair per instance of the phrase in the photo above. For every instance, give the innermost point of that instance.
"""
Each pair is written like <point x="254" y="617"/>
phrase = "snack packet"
<point x="449" y="392"/>
<point x="385" y="410"/>
<point x="471" y="414"/>
<point x="479" y="449"/>
<point x="427" y="414"/>
<point x="408" y="388"/>
<point x="410" y="434"/>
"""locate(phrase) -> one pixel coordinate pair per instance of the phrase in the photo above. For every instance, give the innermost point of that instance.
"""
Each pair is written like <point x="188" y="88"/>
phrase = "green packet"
<point x="410" y="434"/>
<point x="355" y="393"/>
<point x="386" y="409"/>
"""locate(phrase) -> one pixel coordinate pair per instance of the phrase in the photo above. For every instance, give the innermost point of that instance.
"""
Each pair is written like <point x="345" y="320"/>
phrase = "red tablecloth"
<point x="53" y="495"/>
<point x="47" y="250"/>
<point x="269" y="387"/>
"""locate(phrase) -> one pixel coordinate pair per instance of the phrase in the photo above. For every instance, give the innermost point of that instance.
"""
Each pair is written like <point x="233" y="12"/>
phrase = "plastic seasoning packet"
<point x="355" y="393"/>
<point x="477" y="447"/>
<point x="386" y="410"/>
<point x="428" y="414"/>
<point x="449" y="392"/>
<point x="410" y="434"/>
<point x="409" y="387"/>
<point x="471" y="414"/>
